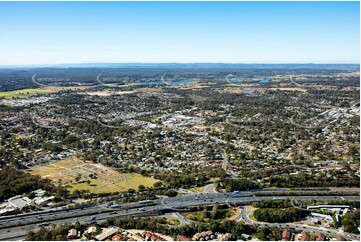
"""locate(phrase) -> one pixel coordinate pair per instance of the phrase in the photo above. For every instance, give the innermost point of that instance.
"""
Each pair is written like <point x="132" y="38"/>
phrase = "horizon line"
<point x="180" y="63"/>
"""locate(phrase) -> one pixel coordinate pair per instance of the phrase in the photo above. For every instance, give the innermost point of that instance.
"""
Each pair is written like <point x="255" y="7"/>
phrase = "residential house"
<point x="320" y="236"/>
<point x="118" y="237"/>
<point x="286" y="235"/>
<point x="305" y="236"/>
<point x="72" y="234"/>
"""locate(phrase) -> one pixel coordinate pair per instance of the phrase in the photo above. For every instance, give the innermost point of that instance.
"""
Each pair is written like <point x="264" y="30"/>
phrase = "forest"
<point x="14" y="182"/>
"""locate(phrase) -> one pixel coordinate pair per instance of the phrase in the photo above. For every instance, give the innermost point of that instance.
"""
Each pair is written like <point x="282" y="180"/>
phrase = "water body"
<point x="265" y="80"/>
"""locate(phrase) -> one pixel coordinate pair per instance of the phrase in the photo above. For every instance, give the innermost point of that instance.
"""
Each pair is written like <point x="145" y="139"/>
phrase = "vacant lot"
<point x="94" y="177"/>
<point x="24" y="93"/>
<point x="108" y="93"/>
<point x="58" y="88"/>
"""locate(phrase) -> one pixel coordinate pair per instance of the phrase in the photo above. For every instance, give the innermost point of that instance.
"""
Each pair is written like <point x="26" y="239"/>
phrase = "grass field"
<point x="108" y="180"/>
<point x="197" y="189"/>
<point x="24" y="93"/>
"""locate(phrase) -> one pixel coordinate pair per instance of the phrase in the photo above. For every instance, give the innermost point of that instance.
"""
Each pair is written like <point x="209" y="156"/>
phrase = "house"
<point x="320" y="236"/>
<point x="205" y="235"/>
<point x="92" y="229"/>
<point x="225" y="237"/>
<point x="286" y="235"/>
<point x="146" y="235"/>
<point x="118" y="237"/>
<point x="305" y="236"/>
<point x="340" y="238"/>
<point x="107" y="232"/>
<point x="182" y="238"/>
<point x="72" y="234"/>
<point x="153" y="237"/>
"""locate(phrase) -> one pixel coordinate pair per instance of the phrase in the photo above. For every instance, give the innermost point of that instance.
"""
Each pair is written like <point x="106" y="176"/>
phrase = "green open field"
<point x="127" y="180"/>
<point x="24" y="93"/>
<point x="108" y="179"/>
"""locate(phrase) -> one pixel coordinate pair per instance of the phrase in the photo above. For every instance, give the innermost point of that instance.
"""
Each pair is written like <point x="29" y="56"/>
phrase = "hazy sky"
<point x="233" y="32"/>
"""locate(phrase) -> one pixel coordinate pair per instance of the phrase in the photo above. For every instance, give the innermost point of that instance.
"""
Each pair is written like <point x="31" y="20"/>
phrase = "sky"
<point x="179" y="32"/>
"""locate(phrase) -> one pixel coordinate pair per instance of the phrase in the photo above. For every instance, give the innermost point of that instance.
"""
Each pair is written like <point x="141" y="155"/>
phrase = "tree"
<point x="158" y="184"/>
<point x="131" y="191"/>
<point x="240" y="184"/>
<point x="351" y="221"/>
<point x="214" y="214"/>
<point x="274" y="215"/>
<point x="78" y="177"/>
<point x="141" y="188"/>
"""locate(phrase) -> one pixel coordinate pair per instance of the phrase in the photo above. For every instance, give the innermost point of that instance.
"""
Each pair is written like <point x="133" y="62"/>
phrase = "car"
<point x="141" y="209"/>
<point x="43" y="224"/>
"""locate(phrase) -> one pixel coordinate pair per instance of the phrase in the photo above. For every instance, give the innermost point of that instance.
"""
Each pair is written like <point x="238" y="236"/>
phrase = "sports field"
<point x="107" y="179"/>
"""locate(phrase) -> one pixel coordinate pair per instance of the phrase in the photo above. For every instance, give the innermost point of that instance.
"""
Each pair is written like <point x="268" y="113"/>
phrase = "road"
<point x="16" y="226"/>
<point x="246" y="216"/>
<point x="210" y="188"/>
<point x="225" y="161"/>
<point x="182" y="220"/>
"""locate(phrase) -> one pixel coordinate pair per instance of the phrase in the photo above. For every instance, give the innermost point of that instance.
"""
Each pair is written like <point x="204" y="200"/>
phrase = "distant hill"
<point x="197" y="65"/>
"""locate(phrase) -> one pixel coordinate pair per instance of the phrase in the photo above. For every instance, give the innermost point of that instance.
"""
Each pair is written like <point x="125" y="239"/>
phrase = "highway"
<point x="15" y="227"/>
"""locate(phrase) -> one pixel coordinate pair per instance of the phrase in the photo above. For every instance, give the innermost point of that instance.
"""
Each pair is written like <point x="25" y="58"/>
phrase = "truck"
<point x="115" y="206"/>
<point x="145" y="201"/>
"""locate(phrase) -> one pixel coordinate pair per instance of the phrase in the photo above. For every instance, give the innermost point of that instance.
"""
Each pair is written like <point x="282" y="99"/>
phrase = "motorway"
<point x="15" y="227"/>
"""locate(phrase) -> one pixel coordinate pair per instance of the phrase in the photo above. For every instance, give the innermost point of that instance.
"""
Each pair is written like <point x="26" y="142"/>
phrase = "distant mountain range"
<point x="192" y="65"/>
